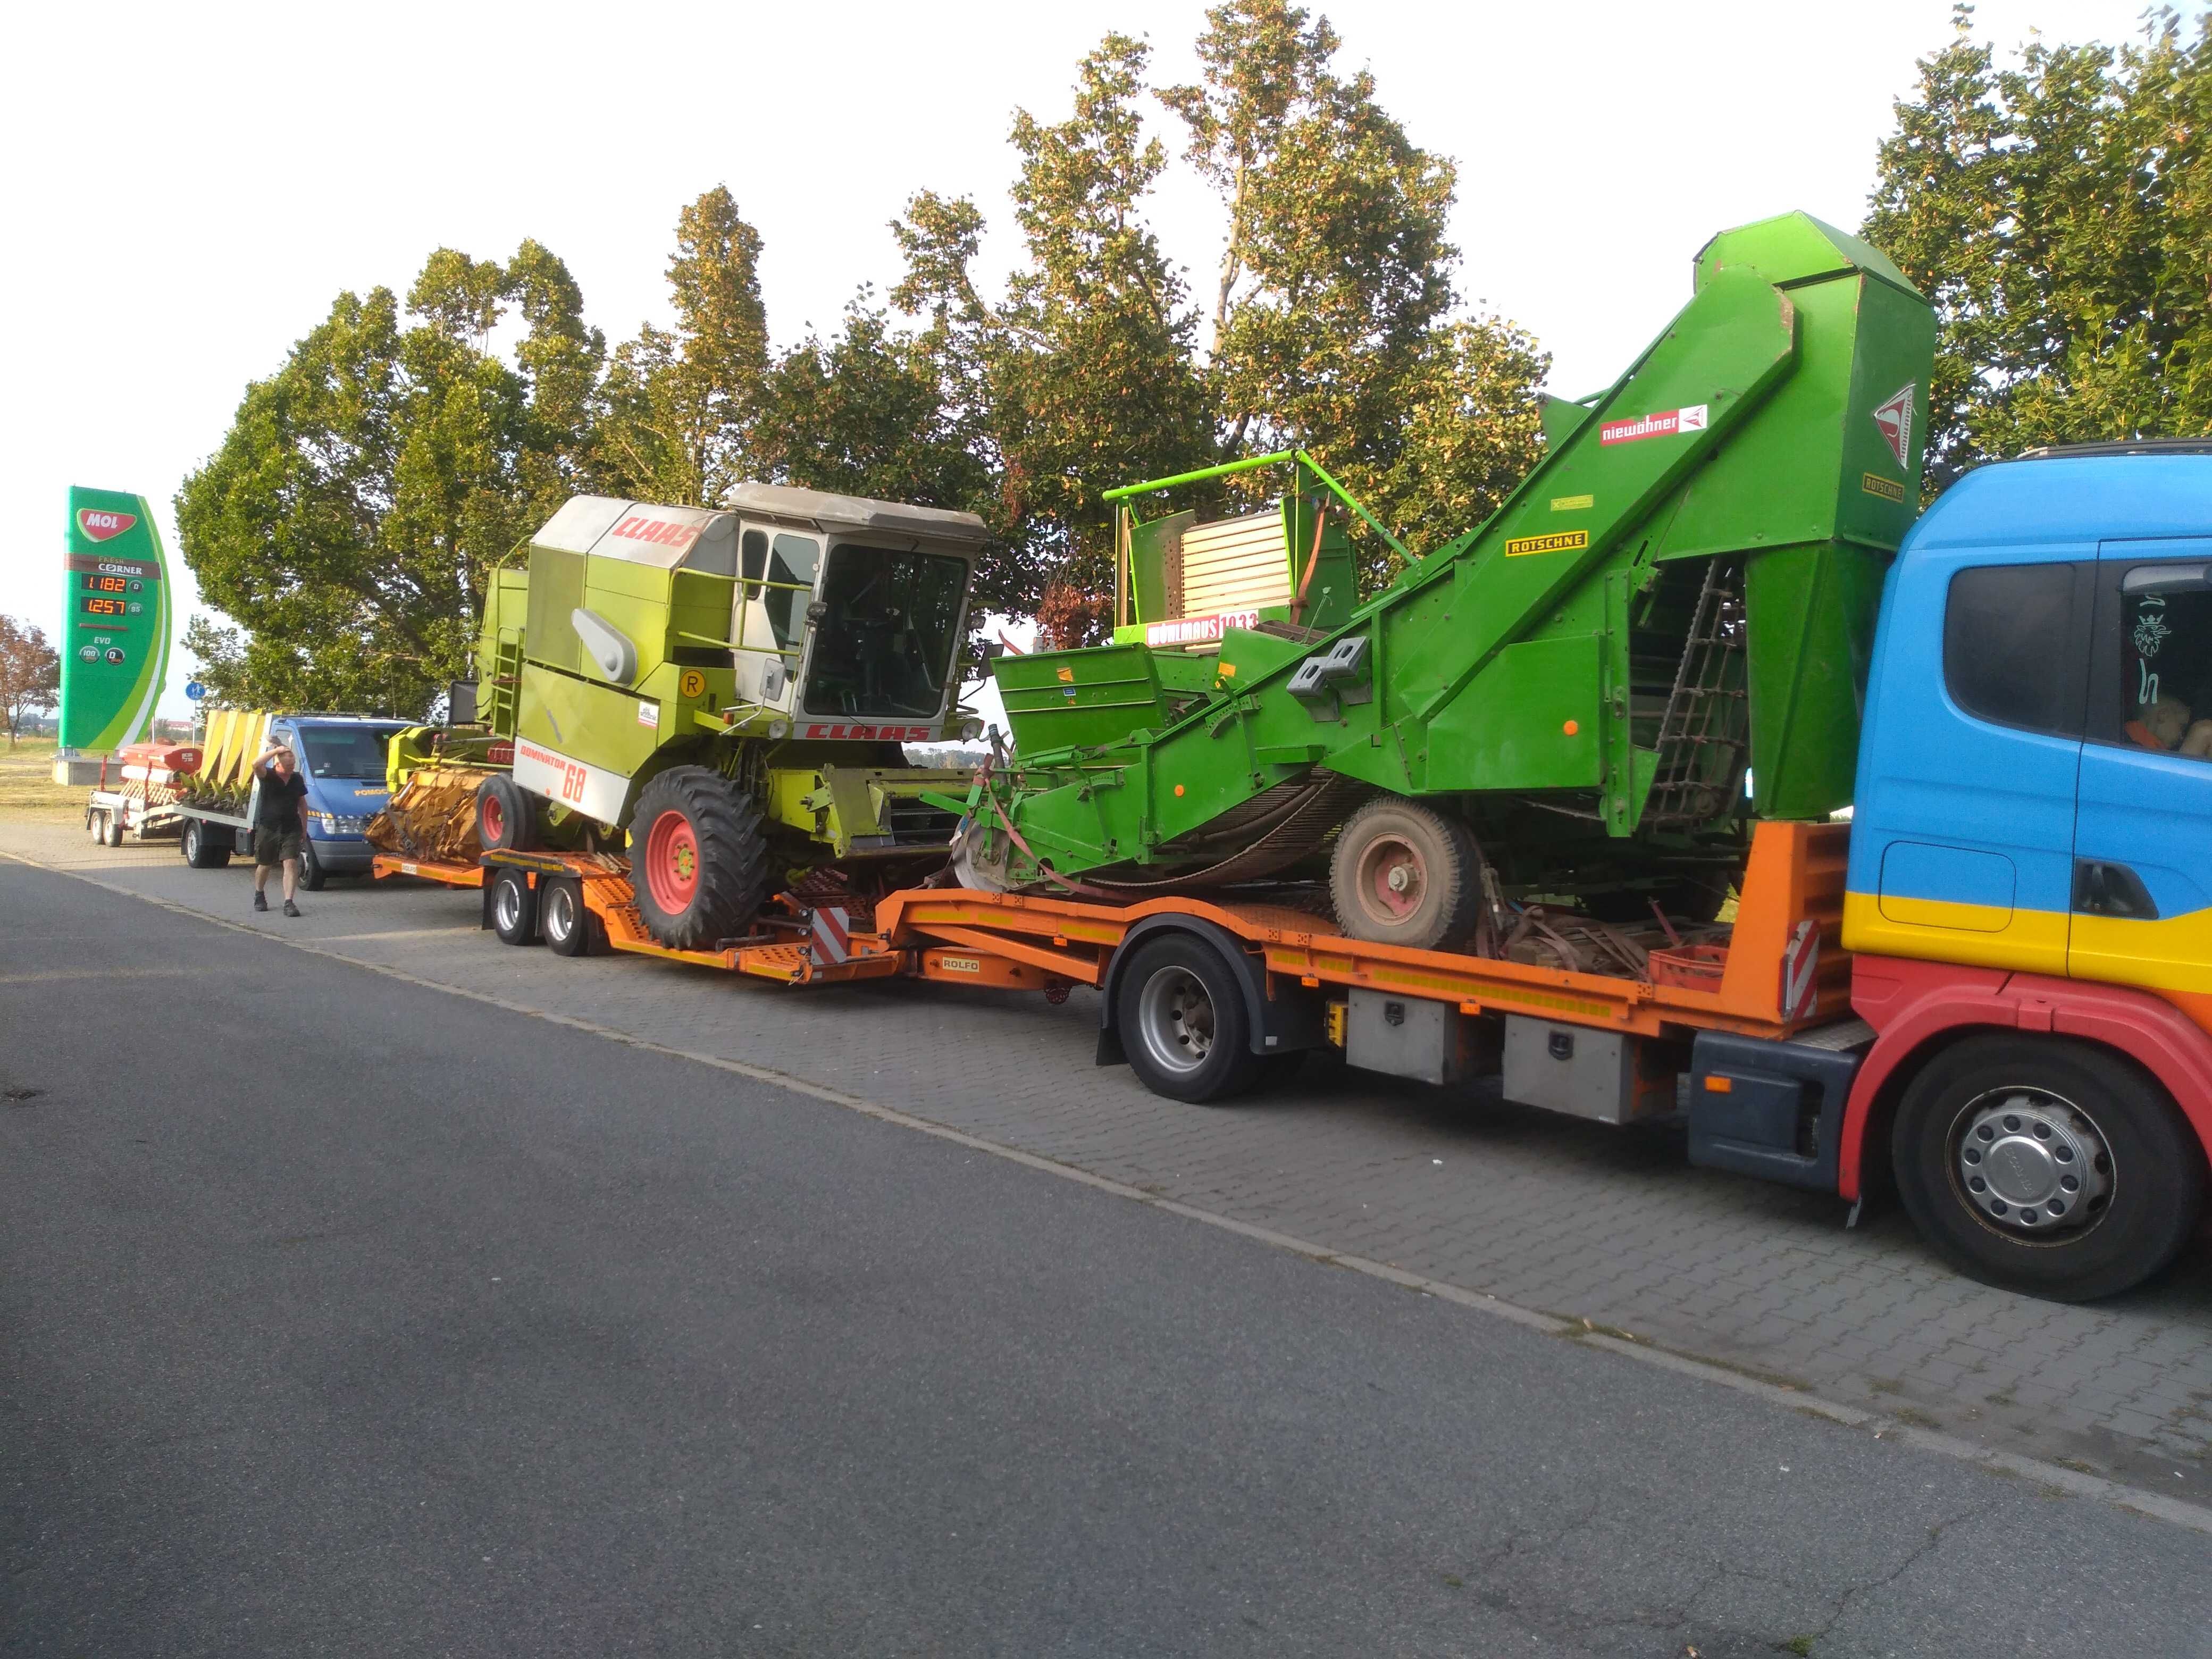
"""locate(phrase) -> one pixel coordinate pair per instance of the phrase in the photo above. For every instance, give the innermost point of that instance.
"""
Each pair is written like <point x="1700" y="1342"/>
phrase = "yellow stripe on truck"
<point x="1973" y="935"/>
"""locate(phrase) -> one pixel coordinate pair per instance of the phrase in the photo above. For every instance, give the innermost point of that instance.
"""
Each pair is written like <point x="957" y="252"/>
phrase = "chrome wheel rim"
<point x="507" y="906"/>
<point x="2031" y="1163"/>
<point x="1175" y="1019"/>
<point x="559" y="915"/>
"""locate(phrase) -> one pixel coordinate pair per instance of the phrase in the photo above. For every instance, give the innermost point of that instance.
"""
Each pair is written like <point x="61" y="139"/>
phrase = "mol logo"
<point x="98" y="524"/>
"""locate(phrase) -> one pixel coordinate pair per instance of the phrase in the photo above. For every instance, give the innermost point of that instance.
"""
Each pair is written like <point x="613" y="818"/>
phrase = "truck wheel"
<point x="698" y="862"/>
<point x="513" y="908"/>
<point x="570" y="926"/>
<point x="1182" y="1022"/>
<point x="2047" y="1166"/>
<point x="1405" y="874"/>
<point x="313" y="876"/>
<point x="506" y="817"/>
<point x="206" y="848"/>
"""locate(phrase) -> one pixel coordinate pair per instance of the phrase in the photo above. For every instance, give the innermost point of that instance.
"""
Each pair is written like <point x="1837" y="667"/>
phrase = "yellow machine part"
<point x="433" y="818"/>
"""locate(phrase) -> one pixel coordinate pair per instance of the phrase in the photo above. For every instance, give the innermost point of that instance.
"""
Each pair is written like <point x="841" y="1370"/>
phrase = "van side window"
<point x="2166" y="660"/>
<point x="2008" y="637"/>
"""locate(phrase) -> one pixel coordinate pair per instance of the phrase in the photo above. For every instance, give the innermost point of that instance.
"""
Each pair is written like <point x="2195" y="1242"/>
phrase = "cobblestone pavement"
<point x="1572" y="1218"/>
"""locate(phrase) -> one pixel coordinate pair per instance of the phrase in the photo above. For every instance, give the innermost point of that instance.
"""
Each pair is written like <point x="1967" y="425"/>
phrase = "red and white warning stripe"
<point x="829" y="934"/>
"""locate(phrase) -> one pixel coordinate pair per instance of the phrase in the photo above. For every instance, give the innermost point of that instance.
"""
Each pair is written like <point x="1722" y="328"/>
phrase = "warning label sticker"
<point x="1572" y="503"/>
<point x="1666" y="423"/>
<point x="1565" y="541"/>
<point x="1895" y="416"/>
<point x="1875" y="484"/>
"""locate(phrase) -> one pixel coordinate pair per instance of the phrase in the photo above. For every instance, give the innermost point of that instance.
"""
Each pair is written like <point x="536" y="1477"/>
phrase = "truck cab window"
<point x="886" y="642"/>
<point x="791" y="559"/>
<point x="2166" y="660"/>
<point x="2008" y="641"/>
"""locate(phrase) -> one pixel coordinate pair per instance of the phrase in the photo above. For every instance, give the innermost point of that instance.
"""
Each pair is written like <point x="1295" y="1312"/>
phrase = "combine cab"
<point x="728" y="691"/>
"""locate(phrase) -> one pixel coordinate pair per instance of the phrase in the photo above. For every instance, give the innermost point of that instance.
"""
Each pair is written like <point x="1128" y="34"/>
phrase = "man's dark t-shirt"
<point x="280" y="803"/>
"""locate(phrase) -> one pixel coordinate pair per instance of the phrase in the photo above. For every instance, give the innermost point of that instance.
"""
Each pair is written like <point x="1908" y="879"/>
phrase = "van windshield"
<point x="885" y="641"/>
<point x="345" y="751"/>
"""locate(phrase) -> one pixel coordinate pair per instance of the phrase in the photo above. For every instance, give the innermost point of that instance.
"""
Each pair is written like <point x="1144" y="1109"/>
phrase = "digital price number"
<point x="97" y="606"/>
<point x="104" y="584"/>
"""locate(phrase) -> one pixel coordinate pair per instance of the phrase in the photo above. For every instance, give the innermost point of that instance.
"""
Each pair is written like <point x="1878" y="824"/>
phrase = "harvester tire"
<point x="514" y="904"/>
<point x="507" y="816"/>
<point x="698" y="859"/>
<point x="570" y="927"/>
<point x="1403" y="873"/>
<point x="205" y="848"/>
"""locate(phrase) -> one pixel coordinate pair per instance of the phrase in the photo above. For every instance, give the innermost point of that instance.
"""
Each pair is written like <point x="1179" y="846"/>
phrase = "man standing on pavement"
<point x="279" y="821"/>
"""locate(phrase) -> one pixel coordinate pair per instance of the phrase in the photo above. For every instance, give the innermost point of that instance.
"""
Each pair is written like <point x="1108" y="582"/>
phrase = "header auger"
<point x="1662" y="633"/>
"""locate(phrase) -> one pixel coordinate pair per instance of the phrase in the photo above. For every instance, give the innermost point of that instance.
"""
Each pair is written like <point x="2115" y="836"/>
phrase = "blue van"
<point x="342" y="758"/>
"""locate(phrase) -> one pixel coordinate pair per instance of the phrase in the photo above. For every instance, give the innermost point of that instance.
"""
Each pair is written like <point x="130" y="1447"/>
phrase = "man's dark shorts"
<point x="272" y="847"/>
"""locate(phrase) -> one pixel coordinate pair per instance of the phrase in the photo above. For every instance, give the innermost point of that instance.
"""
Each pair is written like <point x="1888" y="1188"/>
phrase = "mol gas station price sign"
<point x="115" y="621"/>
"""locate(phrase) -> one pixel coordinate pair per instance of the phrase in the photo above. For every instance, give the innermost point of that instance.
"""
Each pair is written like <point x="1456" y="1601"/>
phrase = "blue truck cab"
<point x="2035" y="772"/>
<point x="342" y="758"/>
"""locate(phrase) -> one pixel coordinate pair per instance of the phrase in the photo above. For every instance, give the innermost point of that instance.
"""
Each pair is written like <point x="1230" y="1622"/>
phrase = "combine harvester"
<point x="1486" y="824"/>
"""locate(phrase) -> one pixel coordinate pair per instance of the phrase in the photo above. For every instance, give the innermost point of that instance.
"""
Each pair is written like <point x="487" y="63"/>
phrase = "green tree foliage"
<point x="30" y="673"/>
<point x="2058" y="214"/>
<point x="681" y="403"/>
<point x="349" y="518"/>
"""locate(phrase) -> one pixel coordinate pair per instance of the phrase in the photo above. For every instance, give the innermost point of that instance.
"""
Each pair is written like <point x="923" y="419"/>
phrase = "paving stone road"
<point x="1572" y="1218"/>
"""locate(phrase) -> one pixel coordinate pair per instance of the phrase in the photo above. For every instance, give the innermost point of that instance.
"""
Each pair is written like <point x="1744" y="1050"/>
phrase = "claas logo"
<point x="98" y="524"/>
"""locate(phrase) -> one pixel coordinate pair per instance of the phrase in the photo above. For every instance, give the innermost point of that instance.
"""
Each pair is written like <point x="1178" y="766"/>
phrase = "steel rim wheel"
<point x="506" y="907"/>
<point x="671" y="861"/>
<point x="560" y="914"/>
<point x="1175" y="1019"/>
<point x="2031" y="1163"/>
<point x="1393" y="877"/>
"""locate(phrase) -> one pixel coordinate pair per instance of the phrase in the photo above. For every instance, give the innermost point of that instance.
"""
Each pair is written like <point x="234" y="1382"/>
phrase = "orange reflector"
<point x="1308" y="981"/>
<point x="1571" y="727"/>
<point x="1178" y="789"/>
<point x="1720" y="1086"/>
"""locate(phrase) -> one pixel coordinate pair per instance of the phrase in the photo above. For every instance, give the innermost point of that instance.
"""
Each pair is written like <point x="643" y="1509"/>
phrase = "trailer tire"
<point x="570" y="926"/>
<point x="203" y="848"/>
<point x="2047" y="1166"/>
<point x="111" y="829"/>
<point x="698" y="859"/>
<point x="1406" y="874"/>
<point x="1183" y="1023"/>
<point x="513" y="908"/>
<point x="507" y="816"/>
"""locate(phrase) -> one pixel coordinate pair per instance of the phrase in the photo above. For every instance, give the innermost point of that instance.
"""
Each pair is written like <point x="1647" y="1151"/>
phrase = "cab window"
<point x="890" y="623"/>
<point x="2165" y="691"/>
<point x="790" y="559"/>
<point x="2012" y="652"/>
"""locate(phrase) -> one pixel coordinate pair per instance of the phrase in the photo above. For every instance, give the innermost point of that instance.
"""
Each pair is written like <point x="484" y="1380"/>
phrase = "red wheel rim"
<point x="671" y="862"/>
<point x="1393" y="878"/>
<point x="495" y="821"/>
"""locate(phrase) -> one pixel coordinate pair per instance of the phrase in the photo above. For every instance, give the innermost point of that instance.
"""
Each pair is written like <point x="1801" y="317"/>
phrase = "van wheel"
<point x="570" y="927"/>
<point x="1403" y="873"/>
<point x="513" y="908"/>
<point x="698" y="861"/>
<point x="507" y="816"/>
<point x="1182" y="1022"/>
<point x="313" y="876"/>
<point x="2047" y="1166"/>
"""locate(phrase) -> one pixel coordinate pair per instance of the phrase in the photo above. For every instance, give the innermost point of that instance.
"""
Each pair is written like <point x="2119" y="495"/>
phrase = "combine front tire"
<point x="698" y="861"/>
<point x="1405" y="874"/>
<point x="506" y="817"/>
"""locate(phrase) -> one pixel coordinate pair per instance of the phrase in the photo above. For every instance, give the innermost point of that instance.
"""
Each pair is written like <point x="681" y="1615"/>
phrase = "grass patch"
<point x="27" y="789"/>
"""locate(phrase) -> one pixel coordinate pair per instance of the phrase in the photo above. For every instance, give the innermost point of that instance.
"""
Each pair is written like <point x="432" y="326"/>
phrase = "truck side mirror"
<point x="461" y="704"/>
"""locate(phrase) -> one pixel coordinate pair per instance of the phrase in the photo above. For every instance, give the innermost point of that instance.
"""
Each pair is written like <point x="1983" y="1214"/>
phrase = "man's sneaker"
<point x="260" y="901"/>
<point x="290" y="908"/>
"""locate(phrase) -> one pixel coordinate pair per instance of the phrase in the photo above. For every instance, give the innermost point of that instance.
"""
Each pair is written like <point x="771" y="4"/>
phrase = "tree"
<point x="364" y="491"/>
<point x="2059" y="215"/>
<point x="1332" y="326"/>
<point x="30" y="673"/>
<point x="681" y="404"/>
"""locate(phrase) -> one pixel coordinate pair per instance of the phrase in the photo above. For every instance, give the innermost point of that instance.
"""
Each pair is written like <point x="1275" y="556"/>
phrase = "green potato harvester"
<point x="1662" y="633"/>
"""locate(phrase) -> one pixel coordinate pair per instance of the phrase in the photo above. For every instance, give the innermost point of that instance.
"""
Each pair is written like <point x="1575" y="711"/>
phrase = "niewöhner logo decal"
<point x="1666" y="423"/>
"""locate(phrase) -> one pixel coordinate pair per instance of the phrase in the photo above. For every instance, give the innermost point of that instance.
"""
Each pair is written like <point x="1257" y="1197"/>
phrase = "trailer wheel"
<point x="1183" y="1023"/>
<point x="2047" y="1166"/>
<point x="1403" y="873"/>
<point x="92" y="826"/>
<point x="111" y="829"/>
<point x="570" y="927"/>
<point x="699" y="863"/>
<point x="513" y="908"/>
<point x="507" y="816"/>
<point x="205" y="848"/>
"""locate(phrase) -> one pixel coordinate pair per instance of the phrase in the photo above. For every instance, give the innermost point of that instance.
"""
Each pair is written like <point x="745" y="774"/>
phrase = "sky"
<point x="189" y="187"/>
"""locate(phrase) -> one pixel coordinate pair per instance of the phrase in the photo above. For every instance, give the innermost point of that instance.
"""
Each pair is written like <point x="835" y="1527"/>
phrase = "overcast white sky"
<point x="190" y="186"/>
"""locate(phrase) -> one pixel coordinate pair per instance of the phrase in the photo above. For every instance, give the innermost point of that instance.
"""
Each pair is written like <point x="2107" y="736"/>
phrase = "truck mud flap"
<point x="1768" y="1108"/>
<point x="1293" y="1018"/>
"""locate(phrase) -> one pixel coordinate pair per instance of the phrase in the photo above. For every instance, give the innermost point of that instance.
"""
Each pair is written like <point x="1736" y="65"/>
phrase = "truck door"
<point x="1962" y="843"/>
<point x="2142" y="888"/>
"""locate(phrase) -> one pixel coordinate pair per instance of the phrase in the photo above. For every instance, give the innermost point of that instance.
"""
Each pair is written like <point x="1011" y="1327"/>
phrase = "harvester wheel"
<point x="506" y="817"/>
<point x="570" y="926"/>
<point x="1406" y="874"/>
<point x="513" y="908"/>
<point x="205" y="848"/>
<point x="698" y="860"/>
<point x="1183" y="1023"/>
